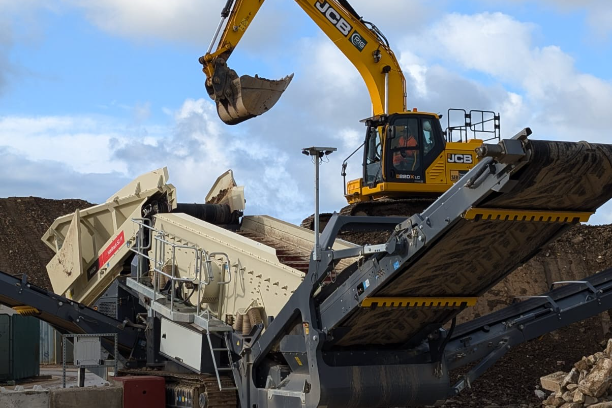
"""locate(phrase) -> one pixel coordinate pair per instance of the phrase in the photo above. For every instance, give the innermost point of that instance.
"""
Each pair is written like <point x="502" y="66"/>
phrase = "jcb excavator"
<point x="407" y="155"/>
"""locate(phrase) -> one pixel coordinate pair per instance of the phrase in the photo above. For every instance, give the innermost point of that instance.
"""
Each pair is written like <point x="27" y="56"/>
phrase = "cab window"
<point x="373" y="155"/>
<point x="405" y="147"/>
<point x="429" y="142"/>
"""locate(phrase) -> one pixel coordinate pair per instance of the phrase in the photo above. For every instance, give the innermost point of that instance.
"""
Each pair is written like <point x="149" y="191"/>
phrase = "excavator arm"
<point x="242" y="98"/>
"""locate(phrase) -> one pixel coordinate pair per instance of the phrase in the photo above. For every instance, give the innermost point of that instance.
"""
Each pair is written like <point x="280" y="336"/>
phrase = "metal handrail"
<point x="226" y="265"/>
<point x="204" y="275"/>
<point x="143" y="223"/>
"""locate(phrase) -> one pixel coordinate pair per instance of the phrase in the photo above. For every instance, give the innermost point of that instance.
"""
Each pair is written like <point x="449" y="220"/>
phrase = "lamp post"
<point x="317" y="153"/>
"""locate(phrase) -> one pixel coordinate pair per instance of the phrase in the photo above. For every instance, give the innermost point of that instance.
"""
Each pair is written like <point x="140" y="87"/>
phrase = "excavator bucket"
<point x="242" y="98"/>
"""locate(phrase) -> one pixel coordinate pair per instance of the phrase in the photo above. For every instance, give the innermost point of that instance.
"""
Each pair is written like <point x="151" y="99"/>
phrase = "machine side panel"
<point x="256" y="275"/>
<point x="181" y="344"/>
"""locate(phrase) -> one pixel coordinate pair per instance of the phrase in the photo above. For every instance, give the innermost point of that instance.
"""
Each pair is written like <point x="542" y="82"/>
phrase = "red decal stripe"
<point x="111" y="249"/>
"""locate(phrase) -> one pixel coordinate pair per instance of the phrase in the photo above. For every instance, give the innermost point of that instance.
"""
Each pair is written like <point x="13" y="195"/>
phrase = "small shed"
<point x="19" y="347"/>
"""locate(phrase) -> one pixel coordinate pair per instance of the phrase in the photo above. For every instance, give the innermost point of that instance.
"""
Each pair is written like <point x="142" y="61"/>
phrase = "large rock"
<point x="609" y="348"/>
<point x="579" y="397"/>
<point x="588" y="400"/>
<point x="554" y="401"/>
<point x="598" y="380"/>
<point x="582" y="365"/>
<point x="568" y="396"/>
<point x="571" y="378"/>
<point x="552" y="382"/>
<point x="606" y="404"/>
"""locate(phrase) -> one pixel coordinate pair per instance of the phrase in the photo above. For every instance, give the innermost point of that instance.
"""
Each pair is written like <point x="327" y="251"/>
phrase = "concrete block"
<point x="90" y="397"/>
<point x="24" y="399"/>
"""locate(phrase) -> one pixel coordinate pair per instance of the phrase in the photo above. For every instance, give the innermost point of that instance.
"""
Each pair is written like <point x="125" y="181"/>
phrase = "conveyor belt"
<point x="64" y="314"/>
<point x="603" y="278"/>
<point x="287" y="254"/>
<point x="472" y="255"/>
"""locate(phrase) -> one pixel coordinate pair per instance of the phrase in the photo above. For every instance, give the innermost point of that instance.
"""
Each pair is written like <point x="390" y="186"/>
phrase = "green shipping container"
<point x="19" y="347"/>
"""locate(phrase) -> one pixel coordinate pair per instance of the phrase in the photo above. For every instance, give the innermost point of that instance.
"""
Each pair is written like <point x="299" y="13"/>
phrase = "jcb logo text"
<point x="334" y="17"/>
<point x="460" y="158"/>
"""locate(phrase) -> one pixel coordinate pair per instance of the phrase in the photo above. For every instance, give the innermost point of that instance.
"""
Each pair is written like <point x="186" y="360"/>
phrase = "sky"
<point x="94" y="93"/>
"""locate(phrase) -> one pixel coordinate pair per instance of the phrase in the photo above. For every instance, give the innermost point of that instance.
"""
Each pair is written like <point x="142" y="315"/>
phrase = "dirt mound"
<point x="23" y="221"/>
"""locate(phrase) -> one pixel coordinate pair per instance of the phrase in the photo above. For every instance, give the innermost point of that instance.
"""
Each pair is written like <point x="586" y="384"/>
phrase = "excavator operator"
<point x="406" y="153"/>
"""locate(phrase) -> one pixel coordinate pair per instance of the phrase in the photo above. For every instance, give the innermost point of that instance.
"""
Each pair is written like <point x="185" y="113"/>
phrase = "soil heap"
<point x="23" y="221"/>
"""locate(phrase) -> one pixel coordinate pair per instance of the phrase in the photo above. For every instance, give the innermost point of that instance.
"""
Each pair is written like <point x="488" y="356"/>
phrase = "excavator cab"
<point x="413" y="141"/>
<point x="406" y="155"/>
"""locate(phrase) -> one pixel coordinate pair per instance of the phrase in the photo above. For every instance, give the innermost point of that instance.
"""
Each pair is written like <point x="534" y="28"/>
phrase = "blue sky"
<point x="94" y="93"/>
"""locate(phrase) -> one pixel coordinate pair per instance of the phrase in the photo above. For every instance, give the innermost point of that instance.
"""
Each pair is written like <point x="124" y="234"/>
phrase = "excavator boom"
<point x="239" y="98"/>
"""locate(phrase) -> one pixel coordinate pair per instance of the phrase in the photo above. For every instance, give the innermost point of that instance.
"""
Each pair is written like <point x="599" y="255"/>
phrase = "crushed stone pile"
<point x="587" y="384"/>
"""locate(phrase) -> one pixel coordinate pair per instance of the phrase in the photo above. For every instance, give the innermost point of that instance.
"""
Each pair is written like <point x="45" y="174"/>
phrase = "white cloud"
<point x="603" y="215"/>
<point x="198" y="148"/>
<point x="83" y="144"/>
<point x="53" y="179"/>
<point x="191" y="22"/>
<point x="406" y="16"/>
<point x="549" y="88"/>
<point x="598" y="12"/>
<point x="142" y="19"/>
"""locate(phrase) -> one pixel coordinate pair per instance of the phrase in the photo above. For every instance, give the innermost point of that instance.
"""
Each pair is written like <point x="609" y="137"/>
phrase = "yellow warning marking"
<point x="26" y="310"/>
<point x="298" y="360"/>
<point x="439" y="302"/>
<point x="497" y="214"/>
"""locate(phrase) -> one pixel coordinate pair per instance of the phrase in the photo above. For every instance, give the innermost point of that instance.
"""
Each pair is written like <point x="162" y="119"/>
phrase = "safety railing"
<point x="475" y="124"/>
<point x="150" y="240"/>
